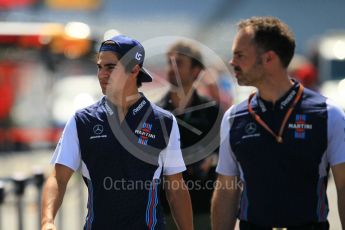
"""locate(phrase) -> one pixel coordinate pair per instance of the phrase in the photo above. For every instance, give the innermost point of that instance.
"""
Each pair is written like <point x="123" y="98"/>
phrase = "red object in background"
<point x="25" y="41"/>
<point x="306" y="74"/>
<point x="32" y="135"/>
<point x="7" y="73"/>
<point x="74" y="5"/>
<point x="10" y="4"/>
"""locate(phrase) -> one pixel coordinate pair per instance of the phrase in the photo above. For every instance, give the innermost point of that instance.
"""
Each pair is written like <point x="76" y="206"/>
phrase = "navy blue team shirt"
<point x="122" y="163"/>
<point x="284" y="184"/>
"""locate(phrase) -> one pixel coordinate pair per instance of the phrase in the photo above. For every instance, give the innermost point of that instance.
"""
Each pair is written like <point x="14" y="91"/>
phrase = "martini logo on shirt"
<point x="145" y="133"/>
<point x="300" y="126"/>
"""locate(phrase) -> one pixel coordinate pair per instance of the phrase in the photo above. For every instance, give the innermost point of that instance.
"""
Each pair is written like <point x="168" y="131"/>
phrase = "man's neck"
<point x="273" y="89"/>
<point x="124" y="102"/>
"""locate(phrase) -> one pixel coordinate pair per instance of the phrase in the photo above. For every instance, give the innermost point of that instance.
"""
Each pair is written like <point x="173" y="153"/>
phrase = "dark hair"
<point x="128" y="64"/>
<point x="270" y="33"/>
<point x="188" y="49"/>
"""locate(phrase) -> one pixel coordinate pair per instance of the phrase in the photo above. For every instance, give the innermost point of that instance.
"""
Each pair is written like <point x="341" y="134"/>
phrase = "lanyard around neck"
<point x="279" y="137"/>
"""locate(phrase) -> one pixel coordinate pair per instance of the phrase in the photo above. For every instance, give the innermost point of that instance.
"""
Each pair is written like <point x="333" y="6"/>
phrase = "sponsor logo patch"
<point x="138" y="56"/>
<point x="98" y="130"/>
<point x="139" y="107"/>
<point x="109" y="110"/>
<point x="250" y="130"/>
<point x="145" y="133"/>
<point x="300" y="126"/>
<point x="288" y="99"/>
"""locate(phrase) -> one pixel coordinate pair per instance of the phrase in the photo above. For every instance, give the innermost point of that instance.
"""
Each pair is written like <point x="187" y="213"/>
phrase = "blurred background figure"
<point x="198" y="122"/>
<point x="218" y="85"/>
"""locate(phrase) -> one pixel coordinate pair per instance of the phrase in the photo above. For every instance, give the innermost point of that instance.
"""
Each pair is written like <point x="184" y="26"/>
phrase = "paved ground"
<point x="73" y="210"/>
<point x="26" y="163"/>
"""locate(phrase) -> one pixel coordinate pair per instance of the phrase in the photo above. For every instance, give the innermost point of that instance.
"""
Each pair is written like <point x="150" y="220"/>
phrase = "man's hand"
<point x="48" y="226"/>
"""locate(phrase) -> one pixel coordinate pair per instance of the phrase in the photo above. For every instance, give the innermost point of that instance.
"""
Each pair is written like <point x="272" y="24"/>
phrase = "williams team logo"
<point x="145" y="133"/>
<point x="300" y="126"/>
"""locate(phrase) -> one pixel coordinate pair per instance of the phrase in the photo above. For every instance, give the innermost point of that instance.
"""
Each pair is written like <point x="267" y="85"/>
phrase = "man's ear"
<point x="269" y="56"/>
<point x="135" y="70"/>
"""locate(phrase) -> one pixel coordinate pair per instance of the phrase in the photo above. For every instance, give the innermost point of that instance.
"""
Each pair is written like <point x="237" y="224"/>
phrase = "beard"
<point x="250" y="77"/>
<point x="238" y="74"/>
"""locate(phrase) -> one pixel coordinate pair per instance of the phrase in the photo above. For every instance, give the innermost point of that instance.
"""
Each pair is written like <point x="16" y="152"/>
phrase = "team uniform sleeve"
<point x="227" y="163"/>
<point x="172" y="156"/>
<point x="67" y="151"/>
<point x="336" y="134"/>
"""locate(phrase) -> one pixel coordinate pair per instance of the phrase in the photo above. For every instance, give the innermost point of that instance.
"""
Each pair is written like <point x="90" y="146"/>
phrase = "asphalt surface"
<point x="25" y="164"/>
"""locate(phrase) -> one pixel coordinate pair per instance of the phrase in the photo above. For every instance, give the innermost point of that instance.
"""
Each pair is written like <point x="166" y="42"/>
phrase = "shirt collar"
<point x="139" y="107"/>
<point x="282" y="103"/>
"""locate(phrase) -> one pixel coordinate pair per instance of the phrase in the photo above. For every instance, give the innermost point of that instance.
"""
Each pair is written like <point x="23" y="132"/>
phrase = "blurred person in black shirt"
<point x="198" y="119"/>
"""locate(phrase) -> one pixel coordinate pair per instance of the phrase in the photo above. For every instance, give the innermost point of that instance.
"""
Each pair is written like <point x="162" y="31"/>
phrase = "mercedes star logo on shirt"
<point x="250" y="128"/>
<point x="98" y="129"/>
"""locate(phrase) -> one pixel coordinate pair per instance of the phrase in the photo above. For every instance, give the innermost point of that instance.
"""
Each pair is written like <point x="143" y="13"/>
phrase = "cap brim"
<point x="145" y="75"/>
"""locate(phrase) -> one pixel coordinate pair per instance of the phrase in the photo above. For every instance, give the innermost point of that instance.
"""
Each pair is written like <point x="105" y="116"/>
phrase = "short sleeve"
<point x="336" y="134"/>
<point x="227" y="163"/>
<point x="67" y="151"/>
<point x="172" y="156"/>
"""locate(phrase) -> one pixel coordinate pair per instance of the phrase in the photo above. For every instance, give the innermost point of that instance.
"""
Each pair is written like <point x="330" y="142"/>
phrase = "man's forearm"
<point x="223" y="212"/>
<point x="224" y="207"/>
<point x="180" y="206"/>
<point x="52" y="197"/>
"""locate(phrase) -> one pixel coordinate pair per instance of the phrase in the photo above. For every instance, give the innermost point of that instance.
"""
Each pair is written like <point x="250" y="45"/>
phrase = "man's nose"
<point x="104" y="72"/>
<point x="231" y="62"/>
<point x="231" y="66"/>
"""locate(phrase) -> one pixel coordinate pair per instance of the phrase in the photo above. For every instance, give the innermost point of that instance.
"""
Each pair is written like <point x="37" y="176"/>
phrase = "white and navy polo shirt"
<point x="122" y="163"/>
<point x="284" y="184"/>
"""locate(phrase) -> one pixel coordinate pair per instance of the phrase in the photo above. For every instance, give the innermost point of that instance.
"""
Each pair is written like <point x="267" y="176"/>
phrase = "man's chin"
<point x="243" y="83"/>
<point x="239" y="81"/>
